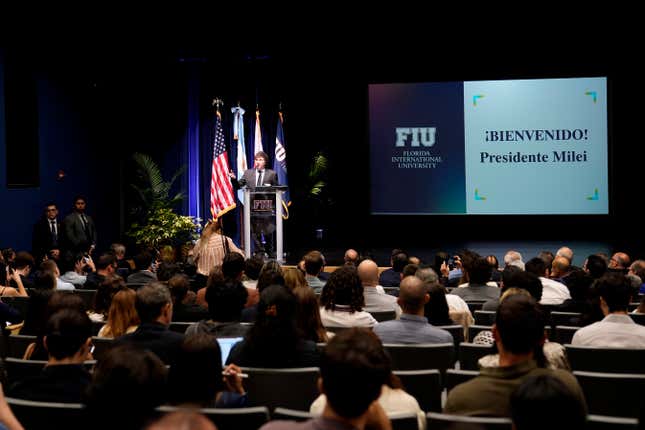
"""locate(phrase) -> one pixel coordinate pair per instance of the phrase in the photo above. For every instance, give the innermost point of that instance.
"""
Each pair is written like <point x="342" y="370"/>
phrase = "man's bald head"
<point x="368" y="272"/>
<point x="351" y="256"/>
<point x="619" y="260"/>
<point x="560" y="266"/>
<point x="566" y="252"/>
<point x="413" y="295"/>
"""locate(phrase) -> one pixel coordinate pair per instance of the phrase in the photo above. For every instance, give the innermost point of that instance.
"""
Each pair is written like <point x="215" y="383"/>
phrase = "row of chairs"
<point x="72" y="416"/>
<point x="556" y="318"/>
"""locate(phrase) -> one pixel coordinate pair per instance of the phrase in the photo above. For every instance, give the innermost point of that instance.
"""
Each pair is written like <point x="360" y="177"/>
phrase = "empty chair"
<point x="601" y="422"/>
<point x="384" y="315"/>
<point x="230" y="418"/>
<point x="49" y="415"/>
<point x="457" y="332"/>
<point x="610" y="360"/>
<point x="474" y="329"/>
<point x="444" y="421"/>
<point x="485" y="317"/>
<point x="290" y="388"/>
<point x="455" y="377"/>
<point x="421" y="356"/>
<point x="564" y="334"/>
<point x="423" y="385"/>
<point x="470" y="353"/>
<point x="614" y="394"/>
<point x="17" y="344"/>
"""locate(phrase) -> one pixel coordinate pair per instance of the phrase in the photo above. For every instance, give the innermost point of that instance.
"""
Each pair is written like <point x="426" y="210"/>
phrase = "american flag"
<point x="222" y="199"/>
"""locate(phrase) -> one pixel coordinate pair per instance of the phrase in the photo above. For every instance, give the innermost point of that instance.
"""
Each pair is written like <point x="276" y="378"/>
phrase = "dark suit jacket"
<point x="250" y="179"/>
<point x="75" y="237"/>
<point x="42" y="240"/>
<point x="156" y="338"/>
<point x="141" y="277"/>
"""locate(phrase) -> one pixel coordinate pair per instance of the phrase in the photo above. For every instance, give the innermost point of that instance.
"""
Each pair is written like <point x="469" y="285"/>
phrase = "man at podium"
<point x="262" y="226"/>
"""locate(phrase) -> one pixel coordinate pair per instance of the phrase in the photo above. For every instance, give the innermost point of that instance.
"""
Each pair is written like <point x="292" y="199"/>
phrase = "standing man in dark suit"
<point x="46" y="234"/>
<point x="79" y="232"/>
<point x="259" y="176"/>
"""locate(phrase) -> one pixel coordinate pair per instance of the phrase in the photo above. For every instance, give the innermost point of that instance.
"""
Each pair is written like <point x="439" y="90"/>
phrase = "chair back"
<point x="48" y="415"/>
<point x="455" y="377"/>
<point x="19" y="369"/>
<point x="457" y="332"/>
<point x="475" y="305"/>
<point x="87" y="296"/>
<point x="101" y="346"/>
<point x="638" y="318"/>
<point x="445" y="422"/>
<point x="20" y="303"/>
<point x="474" y="329"/>
<point x="610" y="360"/>
<point x="294" y="388"/>
<point x="470" y="353"/>
<point x="421" y="356"/>
<point x="602" y="422"/>
<point x="564" y="333"/>
<point x="384" y="315"/>
<point x="614" y="394"/>
<point x="17" y="344"/>
<point x="424" y="385"/>
<point x="565" y="318"/>
<point x="400" y="421"/>
<point x="485" y="317"/>
<point x="291" y="415"/>
<point x="229" y="418"/>
<point x="179" y="327"/>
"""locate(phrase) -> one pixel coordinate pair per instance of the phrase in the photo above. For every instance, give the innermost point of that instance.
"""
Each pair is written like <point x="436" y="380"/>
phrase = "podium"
<point x="263" y="221"/>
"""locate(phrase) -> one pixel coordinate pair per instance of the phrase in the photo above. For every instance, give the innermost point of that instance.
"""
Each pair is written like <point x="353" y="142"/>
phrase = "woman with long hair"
<point x="436" y="310"/>
<point x="295" y="278"/>
<point x="274" y="340"/>
<point x="308" y="314"/>
<point x="122" y="316"/>
<point x="212" y="247"/>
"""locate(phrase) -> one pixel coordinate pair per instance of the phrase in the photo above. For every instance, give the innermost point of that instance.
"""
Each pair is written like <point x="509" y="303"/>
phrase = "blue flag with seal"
<point x="280" y="164"/>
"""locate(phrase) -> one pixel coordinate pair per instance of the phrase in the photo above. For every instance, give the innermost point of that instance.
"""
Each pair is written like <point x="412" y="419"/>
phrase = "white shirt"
<point x="614" y="331"/>
<point x="341" y="317"/>
<point x="376" y="301"/>
<point x="553" y="292"/>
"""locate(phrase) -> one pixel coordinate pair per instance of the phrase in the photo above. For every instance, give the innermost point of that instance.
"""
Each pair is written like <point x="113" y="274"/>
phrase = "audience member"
<point x="64" y="379"/>
<point x="353" y="370"/>
<point x="308" y="318"/>
<point x="617" y="329"/>
<point x="274" y="341"/>
<point x="375" y="300"/>
<point x="122" y="317"/>
<point x="413" y="326"/>
<point x="79" y="231"/>
<point x="392" y="277"/>
<point x="519" y="335"/>
<point x="342" y="300"/>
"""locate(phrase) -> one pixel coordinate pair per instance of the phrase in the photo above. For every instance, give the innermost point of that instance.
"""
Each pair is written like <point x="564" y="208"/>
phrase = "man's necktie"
<point x="259" y="184"/>
<point x="54" y="232"/>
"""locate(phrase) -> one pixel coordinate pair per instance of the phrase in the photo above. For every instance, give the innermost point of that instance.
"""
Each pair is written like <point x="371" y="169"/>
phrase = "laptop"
<point x="225" y="345"/>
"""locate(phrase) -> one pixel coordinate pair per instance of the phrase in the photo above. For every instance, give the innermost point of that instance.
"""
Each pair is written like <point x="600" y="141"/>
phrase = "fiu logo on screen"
<point x="415" y="136"/>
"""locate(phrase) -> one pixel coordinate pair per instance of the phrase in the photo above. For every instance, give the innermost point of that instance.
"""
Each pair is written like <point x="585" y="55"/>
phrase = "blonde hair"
<point x="122" y="314"/>
<point x="212" y="226"/>
<point x="513" y="291"/>
<point x="294" y="278"/>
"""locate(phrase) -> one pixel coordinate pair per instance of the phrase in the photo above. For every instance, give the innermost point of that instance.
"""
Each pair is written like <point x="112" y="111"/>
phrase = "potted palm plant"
<point x="157" y="222"/>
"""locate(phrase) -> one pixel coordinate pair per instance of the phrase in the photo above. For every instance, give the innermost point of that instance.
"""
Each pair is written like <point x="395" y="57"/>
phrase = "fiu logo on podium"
<point x="261" y="205"/>
<point x="415" y="136"/>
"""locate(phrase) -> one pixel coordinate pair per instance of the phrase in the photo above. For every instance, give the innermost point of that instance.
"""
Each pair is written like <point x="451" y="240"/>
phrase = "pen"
<point x="241" y="375"/>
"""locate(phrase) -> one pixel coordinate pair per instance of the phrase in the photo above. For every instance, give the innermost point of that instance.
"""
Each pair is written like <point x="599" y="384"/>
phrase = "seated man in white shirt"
<point x="617" y="329"/>
<point x="553" y="292"/>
